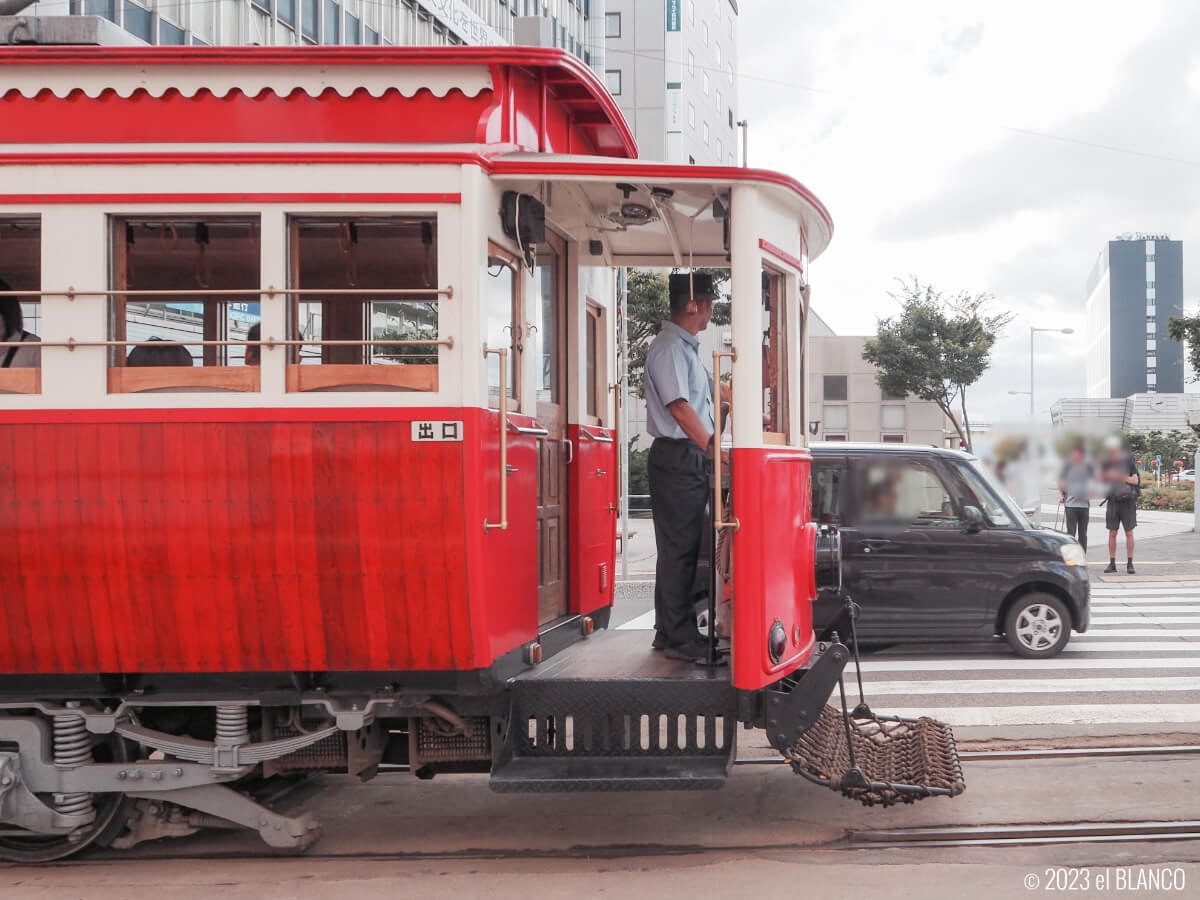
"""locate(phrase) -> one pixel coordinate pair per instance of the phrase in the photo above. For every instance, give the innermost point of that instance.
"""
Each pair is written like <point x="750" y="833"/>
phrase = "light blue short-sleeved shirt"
<point x="674" y="372"/>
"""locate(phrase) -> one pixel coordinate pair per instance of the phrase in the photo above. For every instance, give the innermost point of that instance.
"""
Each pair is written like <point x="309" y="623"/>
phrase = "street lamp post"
<point x="1032" y="329"/>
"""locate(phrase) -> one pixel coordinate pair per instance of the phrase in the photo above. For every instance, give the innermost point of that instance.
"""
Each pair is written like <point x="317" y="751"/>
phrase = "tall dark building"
<point x="1135" y="287"/>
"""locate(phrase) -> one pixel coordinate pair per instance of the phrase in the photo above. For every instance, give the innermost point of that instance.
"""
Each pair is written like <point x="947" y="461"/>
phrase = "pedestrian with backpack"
<point x="1123" y="485"/>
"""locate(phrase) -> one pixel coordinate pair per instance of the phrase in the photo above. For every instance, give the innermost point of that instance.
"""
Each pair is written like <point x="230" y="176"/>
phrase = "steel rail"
<point x="993" y="835"/>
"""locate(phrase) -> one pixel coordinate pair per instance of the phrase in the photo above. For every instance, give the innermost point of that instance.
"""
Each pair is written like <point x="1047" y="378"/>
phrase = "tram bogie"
<point x="313" y="464"/>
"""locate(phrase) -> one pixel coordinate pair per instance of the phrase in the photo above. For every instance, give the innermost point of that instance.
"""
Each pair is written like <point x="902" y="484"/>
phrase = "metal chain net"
<point x="903" y="760"/>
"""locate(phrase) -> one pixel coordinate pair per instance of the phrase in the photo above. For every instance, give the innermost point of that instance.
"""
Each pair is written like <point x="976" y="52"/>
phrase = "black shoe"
<point x="1110" y="568"/>
<point x="692" y="651"/>
<point x="659" y="642"/>
<point x="1129" y="569"/>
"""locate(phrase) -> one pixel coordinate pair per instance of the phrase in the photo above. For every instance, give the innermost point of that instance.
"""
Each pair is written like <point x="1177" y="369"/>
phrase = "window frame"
<point x="516" y="346"/>
<point x="607" y="84"/>
<point x="609" y="18"/>
<point x="595" y="337"/>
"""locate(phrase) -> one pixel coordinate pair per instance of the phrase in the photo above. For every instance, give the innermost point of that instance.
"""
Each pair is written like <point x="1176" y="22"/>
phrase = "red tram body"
<point x="333" y="534"/>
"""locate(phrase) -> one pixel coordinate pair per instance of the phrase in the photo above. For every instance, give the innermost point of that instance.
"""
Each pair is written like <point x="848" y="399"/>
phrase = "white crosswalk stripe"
<point x="1138" y="664"/>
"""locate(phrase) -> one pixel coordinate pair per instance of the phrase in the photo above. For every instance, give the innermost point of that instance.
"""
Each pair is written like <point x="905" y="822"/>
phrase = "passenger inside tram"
<point x="166" y="355"/>
<point x="12" y="330"/>
<point x="253" y="351"/>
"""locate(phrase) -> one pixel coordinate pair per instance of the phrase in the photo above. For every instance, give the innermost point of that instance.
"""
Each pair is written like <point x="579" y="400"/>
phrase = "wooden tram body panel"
<point x="277" y="540"/>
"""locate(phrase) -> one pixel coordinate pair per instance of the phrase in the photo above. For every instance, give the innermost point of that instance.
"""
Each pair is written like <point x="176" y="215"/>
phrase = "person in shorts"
<point x="1123" y="483"/>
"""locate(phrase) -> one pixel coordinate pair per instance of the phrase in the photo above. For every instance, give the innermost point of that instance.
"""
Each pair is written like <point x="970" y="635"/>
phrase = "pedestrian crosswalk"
<point x="1138" y="664"/>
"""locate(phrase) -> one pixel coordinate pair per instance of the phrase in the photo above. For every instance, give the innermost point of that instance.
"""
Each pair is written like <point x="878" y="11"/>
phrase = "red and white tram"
<point x="314" y="465"/>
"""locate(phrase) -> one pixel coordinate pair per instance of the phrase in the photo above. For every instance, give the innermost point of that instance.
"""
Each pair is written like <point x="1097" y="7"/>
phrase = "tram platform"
<point x="609" y="713"/>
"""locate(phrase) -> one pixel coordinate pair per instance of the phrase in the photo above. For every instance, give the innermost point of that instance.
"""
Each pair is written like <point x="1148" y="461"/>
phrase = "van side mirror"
<point x="974" y="518"/>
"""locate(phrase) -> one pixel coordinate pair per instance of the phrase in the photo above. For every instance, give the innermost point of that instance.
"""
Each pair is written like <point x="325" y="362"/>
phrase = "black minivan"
<point x="934" y="549"/>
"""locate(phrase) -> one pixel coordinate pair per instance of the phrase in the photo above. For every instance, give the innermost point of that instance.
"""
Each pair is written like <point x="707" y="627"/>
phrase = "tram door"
<point x="549" y="318"/>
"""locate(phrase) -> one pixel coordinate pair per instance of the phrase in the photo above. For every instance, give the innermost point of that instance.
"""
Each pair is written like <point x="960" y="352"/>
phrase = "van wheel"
<point x="1037" y="626"/>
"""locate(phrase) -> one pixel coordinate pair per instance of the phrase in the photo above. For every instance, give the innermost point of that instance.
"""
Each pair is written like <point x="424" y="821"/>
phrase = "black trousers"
<point x="679" y="499"/>
<point x="1077" y="523"/>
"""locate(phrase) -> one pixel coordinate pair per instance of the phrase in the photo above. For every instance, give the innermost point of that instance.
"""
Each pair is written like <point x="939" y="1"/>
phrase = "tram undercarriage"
<point x="604" y="715"/>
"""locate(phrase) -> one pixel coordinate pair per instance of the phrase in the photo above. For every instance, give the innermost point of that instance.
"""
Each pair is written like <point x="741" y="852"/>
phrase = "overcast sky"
<point x="982" y="146"/>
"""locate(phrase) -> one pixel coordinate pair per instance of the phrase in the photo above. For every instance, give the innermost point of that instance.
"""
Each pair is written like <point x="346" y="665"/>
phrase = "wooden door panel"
<point x="552" y="461"/>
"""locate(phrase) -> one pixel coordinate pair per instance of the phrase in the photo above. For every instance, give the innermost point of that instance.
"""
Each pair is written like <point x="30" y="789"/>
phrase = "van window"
<point x="828" y="479"/>
<point x="905" y="492"/>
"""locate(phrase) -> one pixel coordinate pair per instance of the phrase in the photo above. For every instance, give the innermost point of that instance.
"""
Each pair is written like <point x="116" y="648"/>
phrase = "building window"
<point x="367" y="253"/>
<point x="891" y="418"/>
<point x="286" y="11"/>
<point x="719" y="104"/>
<point x="1151" y="344"/>
<point x="892" y="438"/>
<point x="835" y="437"/>
<point x="176" y="255"/>
<point x="308" y="18"/>
<point x="720" y="152"/>
<point x="333" y="23"/>
<point x="835" y="387"/>
<point x="1149" y="285"/>
<point x="1150" y="256"/>
<point x="21" y="265"/>
<point x="612" y="81"/>
<point x="836" y="418"/>
<point x="691" y="160"/>
<point x="731" y="118"/>
<point x="139" y="22"/>
<point x="691" y="115"/>
<point x="1151" y="378"/>
<point x="105" y="8"/>
<point x="170" y="35"/>
<point x="612" y="24"/>
<point x="1151" y="328"/>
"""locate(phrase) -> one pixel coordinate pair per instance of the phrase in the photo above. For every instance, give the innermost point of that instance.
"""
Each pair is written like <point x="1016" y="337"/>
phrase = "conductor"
<point x="679" y="415"/>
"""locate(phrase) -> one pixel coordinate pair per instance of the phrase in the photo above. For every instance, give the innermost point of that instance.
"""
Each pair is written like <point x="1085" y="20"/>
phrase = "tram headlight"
<point x="777" y="641"/>
<point x="1072" y="554"/>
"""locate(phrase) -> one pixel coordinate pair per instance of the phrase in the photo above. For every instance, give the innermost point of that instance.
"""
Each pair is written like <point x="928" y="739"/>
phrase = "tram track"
<point x="1033" y="754"/>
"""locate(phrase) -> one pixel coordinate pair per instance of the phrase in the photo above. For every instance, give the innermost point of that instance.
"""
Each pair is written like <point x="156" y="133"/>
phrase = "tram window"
<point x="774" y="359"/>
<point x="344" y="323"/>
<point x="502" y="306"/>
<point x="20" y="270"/>
<point x="172" y="268"/>
<point x="595" y="350"/>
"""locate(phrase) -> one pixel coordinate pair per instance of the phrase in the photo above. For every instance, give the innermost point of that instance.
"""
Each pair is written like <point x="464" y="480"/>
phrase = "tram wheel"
<point x="112" y="811"/>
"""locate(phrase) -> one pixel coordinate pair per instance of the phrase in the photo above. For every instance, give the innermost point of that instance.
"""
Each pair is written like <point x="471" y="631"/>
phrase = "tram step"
<point x="615" y="734"/>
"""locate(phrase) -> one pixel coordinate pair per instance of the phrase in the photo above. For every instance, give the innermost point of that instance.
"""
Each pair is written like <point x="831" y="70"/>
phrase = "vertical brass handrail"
<point x="502" y="525"/>
<point x="718" y="508"/>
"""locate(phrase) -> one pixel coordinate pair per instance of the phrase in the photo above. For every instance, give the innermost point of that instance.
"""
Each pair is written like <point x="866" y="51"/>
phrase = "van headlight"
<point x="1072" y="554"/>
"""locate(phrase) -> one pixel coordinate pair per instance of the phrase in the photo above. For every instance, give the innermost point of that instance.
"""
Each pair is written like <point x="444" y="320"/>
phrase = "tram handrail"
<point x="598" y="438"/>
<point x="270" y="291"/>
<point x="718" y="508"/>
<point x="71" y="343"/>
<point x="502" y="525"/>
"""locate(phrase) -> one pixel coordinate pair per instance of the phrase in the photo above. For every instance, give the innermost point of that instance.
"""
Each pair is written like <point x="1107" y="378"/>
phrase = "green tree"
<point x="1170" y="445"/>
<point x="1186" y="329"/>
<point x="648" y="304"/>
<point x="937" y="347"/>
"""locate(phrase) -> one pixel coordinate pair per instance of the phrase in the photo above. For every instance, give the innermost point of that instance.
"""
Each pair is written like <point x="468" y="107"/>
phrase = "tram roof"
<point x="683" y="224"/>
<point x="541" y="98"/>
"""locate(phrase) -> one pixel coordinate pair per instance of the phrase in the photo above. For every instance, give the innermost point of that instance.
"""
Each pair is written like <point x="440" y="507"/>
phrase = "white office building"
<point x="672" y="67"/>
<point x="573" y="25"/>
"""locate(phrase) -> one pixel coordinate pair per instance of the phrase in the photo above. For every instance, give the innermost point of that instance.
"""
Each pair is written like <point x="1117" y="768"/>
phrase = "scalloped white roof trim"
<point x="252" y="80"/>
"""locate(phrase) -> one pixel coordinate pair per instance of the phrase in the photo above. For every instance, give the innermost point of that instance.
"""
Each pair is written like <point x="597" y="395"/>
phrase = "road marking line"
<point x="1097" y="714"/>
<point x="1144" y="620"/>
<point x="1042" y="686"/>
<point x="1015" y="664"/>
<point x="1175" y="631"/>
